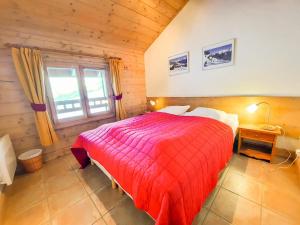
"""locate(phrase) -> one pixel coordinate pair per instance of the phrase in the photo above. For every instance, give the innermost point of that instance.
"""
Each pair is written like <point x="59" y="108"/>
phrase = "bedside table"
<point x="256" y="142"/>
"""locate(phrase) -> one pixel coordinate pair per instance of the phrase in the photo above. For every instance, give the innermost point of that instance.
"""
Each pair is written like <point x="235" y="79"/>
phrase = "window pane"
<point x="65" y="91"/>
<point x="96" y="89"/>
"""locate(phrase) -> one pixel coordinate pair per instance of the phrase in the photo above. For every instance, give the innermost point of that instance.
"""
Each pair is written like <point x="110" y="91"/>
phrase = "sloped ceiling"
<point x="127" y="23"/>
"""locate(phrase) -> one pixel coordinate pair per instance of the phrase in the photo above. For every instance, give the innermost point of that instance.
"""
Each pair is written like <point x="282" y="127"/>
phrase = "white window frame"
<point x="86" y="117"/>
<point x="84" y="90"/>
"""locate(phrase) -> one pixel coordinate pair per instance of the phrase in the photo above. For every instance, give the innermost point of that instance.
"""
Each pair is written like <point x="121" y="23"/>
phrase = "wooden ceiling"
<point x="127" y="23"/>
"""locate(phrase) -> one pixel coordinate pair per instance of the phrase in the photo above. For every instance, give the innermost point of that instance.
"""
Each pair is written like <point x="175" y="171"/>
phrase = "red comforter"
<point x="168" y="164"/>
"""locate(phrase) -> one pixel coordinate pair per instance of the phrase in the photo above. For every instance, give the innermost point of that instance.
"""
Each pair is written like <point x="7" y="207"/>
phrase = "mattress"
<point x="168" y="164"/>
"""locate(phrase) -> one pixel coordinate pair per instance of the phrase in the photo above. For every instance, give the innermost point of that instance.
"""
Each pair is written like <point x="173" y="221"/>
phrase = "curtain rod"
<point x="9" y="45"/>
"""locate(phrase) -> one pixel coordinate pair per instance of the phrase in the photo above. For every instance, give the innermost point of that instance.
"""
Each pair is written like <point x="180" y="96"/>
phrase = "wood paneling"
<point x="117" y="28"/>
<point x="125" y="23"/>
<point x="16" y="116"/>
<point x="298" y="166"/>
<point x="285" y="110"/>
<point x="2" y="201"/>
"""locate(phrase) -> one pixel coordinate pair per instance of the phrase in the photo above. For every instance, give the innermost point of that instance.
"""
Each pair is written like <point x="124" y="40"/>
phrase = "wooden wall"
<point x="298" y="166"/>
<point x="16" y="116"/>
<point x="285" y="110"/>
<point x="2" y="199"/>
<point x="134" y="24"/>
<point x="118" y="28"/>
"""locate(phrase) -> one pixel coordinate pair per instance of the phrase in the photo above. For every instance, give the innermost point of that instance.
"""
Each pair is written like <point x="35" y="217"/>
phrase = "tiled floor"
<point x="248" y="192"/>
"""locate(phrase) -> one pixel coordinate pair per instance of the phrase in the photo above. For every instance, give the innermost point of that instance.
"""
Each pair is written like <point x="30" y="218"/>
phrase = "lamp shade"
<point x="152" y="102"/>
<point x="252" y="108"/>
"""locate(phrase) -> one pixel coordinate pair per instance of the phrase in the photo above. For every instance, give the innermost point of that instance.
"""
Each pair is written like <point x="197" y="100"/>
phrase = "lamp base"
<point x="269" y="127"/>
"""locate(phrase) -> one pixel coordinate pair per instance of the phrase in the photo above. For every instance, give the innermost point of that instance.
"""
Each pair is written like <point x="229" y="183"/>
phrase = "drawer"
<point x="259" y="136"/>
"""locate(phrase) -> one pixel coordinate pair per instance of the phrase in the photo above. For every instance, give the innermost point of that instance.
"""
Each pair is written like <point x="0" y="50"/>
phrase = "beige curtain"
<point x="115" y="68"/>
<point x="29" y="67"/>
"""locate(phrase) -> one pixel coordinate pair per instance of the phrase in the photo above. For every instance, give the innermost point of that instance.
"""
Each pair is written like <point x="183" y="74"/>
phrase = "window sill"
<point x="63" y="125"/>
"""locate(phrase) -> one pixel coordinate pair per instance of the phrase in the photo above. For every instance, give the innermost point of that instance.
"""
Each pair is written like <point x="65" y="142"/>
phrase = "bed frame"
<point x="114" y="183"/>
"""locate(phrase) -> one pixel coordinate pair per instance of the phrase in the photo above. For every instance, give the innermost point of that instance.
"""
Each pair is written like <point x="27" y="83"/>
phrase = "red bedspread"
<point x="169" y="164"/>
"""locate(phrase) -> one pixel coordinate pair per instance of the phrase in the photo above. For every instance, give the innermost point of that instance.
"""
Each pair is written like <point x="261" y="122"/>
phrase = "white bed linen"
<point x="231" y="120"/>
<point x="175" y="109"/>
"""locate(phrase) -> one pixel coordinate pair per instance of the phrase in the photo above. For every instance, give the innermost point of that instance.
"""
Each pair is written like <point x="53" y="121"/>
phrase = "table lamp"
<point x="253" y="107"/>
<point x="152" y="102"/>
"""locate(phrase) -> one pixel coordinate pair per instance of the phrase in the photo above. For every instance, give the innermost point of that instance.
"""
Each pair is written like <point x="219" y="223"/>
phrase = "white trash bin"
<point x="31" y="160"/>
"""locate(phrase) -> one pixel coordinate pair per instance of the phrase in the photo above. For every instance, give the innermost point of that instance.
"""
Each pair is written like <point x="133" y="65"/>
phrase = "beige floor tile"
<point x="236" y="209"/>
<point x="106" y="198"/>
<point x="36" y="215"/>
<point x="71" y="161"/>
<point x="213" y="194"/>
<point x="213" y="219"/>
<point x="247" y="166"/>
<point x="90" y="170"/>
<point x="23" y="200"/>
<point x="83" y="212"/>
<point x="286" y="179"/>
<point x="47" y="223"/>
<point x="55" y="168"/>
<point x="211" y="197"/>
<point x="61" y="189"/>
<point x="99" y="222"/>
<point x="23" y="182"/>
<point x="62" y="199"/>
<point x="93" y="178"/>
<point x="223" y="175"/>
<point x="200" y="217"/>
<point x="272" y="218"/>
<point x="60" y="182"/>
<point x="125" y="213"/>
<point x="282" y="202"/>
<point x="244" y="186"/>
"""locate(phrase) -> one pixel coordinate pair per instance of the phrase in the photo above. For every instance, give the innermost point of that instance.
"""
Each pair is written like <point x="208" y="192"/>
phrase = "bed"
<point x="167" y="164"/>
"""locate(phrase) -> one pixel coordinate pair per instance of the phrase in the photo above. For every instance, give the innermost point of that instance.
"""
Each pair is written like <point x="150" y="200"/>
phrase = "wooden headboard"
<point x="285" y="110"/>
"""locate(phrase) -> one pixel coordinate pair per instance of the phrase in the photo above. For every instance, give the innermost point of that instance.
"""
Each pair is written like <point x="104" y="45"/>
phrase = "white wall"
<point x="267" y="58"/>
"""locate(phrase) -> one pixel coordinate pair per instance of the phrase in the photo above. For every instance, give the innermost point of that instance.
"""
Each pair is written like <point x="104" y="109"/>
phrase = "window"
<point x="78" y="93"/>
<point x="96" y="90"/>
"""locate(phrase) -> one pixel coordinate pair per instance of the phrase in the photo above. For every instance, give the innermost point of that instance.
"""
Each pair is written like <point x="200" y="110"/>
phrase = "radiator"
<point x="8" y="162"/>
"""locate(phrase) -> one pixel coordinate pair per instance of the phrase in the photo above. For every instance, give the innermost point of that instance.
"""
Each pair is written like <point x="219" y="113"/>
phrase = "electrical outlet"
<point x="298" y="153"/>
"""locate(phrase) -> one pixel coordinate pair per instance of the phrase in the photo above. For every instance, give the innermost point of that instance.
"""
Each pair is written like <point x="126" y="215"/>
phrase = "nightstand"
<point x="256" y="142"/>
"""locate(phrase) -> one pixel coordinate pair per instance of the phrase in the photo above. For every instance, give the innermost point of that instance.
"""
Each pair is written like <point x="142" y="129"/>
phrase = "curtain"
<point x="29" y="67"/>
<point x="115" y="73"/>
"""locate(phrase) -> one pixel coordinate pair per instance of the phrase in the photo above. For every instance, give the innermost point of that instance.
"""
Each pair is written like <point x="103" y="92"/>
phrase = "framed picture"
<point x="179" y="63"/>
<point x="218" y="55"/>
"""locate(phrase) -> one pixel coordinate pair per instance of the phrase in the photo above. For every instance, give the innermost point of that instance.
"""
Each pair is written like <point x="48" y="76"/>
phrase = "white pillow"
<point x="232" y="120"/>
<point x="175" y="109"/>
<point x="208" y="112"/>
